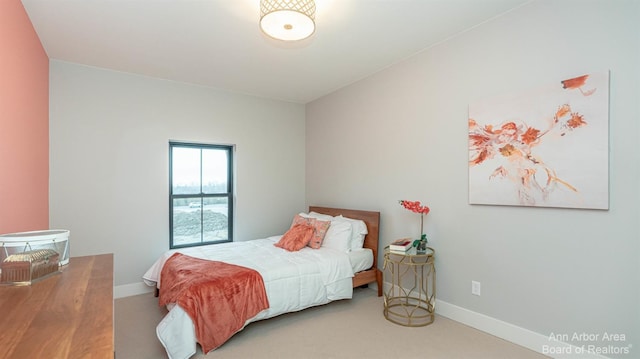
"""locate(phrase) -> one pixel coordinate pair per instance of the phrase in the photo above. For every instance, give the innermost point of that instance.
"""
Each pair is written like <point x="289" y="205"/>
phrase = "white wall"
<point x="109" y="138"/>
<point x="402" y="134"/>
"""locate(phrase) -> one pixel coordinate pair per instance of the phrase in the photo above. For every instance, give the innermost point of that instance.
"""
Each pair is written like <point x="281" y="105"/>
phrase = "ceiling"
<point x="218" y="43"/>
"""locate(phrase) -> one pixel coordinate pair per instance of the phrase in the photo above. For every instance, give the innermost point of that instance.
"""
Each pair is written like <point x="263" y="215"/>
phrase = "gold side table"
<point x="411" y="298"/>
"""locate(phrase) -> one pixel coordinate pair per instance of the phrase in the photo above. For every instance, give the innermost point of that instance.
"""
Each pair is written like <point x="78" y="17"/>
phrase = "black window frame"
<point x="228" y="194"/>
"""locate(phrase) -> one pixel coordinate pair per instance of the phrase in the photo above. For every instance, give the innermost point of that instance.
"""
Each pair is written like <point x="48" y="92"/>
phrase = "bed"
<point x="292" y="280"/>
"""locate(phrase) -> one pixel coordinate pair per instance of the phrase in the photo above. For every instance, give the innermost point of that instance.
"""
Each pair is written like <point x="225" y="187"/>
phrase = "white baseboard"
<point x="128" y="290"/>
<point x="512" y="333"/>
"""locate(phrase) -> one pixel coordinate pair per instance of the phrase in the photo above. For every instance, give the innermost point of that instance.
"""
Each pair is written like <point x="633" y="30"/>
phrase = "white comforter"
<point x="293" y="281"/>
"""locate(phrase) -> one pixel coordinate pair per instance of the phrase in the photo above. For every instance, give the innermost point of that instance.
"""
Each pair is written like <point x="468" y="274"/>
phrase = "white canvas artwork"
<point x="547" y="147"/>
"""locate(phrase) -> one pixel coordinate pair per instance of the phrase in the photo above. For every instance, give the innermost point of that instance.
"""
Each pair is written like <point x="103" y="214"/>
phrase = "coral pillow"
<point x="319" y="229"/>
<point x="296" y="238"/>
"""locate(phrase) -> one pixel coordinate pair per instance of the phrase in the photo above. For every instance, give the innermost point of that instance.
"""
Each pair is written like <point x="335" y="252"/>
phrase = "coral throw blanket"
<point x="219" y="297"/>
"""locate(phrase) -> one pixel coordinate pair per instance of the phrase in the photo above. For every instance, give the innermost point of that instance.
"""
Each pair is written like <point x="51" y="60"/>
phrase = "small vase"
<point x="422" y="247"/>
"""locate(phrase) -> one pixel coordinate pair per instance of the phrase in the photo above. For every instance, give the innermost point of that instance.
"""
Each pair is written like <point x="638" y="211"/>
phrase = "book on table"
<point x="401" y="245"/>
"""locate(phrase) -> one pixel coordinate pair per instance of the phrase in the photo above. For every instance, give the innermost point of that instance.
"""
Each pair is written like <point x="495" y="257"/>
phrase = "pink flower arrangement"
<point x="417" y="207"/>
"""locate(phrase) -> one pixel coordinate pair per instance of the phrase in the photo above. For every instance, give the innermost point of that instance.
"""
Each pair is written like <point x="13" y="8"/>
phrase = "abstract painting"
<point x="545" y="147"/>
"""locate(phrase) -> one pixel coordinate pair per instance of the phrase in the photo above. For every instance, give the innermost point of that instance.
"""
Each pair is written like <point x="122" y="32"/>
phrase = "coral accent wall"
<point x="24" y="123"/>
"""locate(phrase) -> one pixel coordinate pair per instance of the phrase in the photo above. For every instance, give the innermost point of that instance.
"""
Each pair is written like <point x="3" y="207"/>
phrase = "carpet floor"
<point x="347" y="329"/>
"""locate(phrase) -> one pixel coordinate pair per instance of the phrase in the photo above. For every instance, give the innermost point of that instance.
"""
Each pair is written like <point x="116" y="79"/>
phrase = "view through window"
<point x="201" y="194"/>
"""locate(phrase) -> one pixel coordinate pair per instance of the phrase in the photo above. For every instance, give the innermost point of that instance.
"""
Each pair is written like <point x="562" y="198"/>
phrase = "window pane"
<point x="186" y="170"/>
<point x="216" y="220"/>
<point x="201" y="185"/>
<point x="214" y="171"/>
<point x="187" y="221"/>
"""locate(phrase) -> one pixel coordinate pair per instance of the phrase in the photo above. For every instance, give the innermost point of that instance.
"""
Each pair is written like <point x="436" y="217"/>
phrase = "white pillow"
<point x="359" y="230"/>
<point x="338" y="236"/>
<point x="320" y="216"/>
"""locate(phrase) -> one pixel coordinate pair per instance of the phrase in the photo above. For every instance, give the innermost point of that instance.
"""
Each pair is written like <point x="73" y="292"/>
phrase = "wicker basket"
<point x="17" y="243"/>
<point x="23" y="268"/>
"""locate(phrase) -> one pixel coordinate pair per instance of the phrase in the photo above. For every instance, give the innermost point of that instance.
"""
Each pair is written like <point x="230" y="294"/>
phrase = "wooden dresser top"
<point x="67" y="315"/>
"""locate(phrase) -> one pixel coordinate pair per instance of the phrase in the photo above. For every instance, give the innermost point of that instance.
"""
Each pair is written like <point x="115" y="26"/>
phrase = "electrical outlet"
<point x="475" y="288"/>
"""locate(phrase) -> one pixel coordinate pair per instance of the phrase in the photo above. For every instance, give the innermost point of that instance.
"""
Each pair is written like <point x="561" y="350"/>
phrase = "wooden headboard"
<point x="372" y="220"/>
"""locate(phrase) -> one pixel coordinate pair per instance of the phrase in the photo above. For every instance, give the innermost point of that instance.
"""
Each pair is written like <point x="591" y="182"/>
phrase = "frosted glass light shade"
<point x="288" y="20"/>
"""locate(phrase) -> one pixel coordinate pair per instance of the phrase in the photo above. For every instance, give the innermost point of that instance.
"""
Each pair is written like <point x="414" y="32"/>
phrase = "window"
<point x="200" y="194"/>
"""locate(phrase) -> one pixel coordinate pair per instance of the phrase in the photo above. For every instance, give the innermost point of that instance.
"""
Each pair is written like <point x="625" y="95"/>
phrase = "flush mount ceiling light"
<point x="288" y="20"/>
